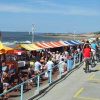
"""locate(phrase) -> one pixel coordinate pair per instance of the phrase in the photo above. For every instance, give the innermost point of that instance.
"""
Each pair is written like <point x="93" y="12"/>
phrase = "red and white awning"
<point x="51" y="44"/>
<point x="43" y="45"/>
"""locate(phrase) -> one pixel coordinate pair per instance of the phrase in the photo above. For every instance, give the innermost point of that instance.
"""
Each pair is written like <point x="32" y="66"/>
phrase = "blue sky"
<point x="50" y="15"/>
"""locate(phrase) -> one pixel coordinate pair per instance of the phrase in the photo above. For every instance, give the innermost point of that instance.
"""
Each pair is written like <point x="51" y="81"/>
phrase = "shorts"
<point x="93" y="51"/>
<point x="87" y="58"/>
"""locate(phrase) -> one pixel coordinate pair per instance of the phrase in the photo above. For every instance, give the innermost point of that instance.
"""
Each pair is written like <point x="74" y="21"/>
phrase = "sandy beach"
<point x="70" y="36"/>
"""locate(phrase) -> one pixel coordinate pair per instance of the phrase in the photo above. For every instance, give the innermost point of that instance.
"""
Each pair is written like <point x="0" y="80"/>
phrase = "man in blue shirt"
<point x="94" y="50"/>
<point x="94" y="45"/>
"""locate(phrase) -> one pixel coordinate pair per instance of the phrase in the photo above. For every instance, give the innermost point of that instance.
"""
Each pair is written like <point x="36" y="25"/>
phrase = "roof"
<point x="29" y="47"/>
<point x="55" y="44"/>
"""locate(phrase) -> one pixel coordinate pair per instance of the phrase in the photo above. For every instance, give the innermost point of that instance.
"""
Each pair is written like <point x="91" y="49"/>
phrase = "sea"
<point x="11" y="38"/>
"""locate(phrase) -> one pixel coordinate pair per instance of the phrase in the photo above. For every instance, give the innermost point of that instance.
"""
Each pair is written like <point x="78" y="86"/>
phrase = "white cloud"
<point x="50" y="8"/>
<point x="14" y="8"/>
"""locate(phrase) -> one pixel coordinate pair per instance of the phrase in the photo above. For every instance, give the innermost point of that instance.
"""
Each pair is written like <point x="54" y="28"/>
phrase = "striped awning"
<point x="43" y="45"/>
<point x="55" y="44"/>
<point x="50" y="44"/>
<point x="76" y="42"/>
<point x="69" y="43"/>
<point x="29" y="47"/>
<point x="72" y="42"/>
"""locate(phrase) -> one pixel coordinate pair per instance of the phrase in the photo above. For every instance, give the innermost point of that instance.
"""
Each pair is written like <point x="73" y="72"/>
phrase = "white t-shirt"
<point x="37" y="66"/>
<point x="49" y="65"/>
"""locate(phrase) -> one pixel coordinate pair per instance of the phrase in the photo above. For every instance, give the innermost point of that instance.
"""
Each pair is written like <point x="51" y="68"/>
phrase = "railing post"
<point x="79" y="58"/>
<point x="50" y="77"/>
<point x="38" y="83"/>
<point x="21" y="92"/>
<point x="68" y="64"/>
<point x="74" y="60"/>
<point x="60" y="72"/>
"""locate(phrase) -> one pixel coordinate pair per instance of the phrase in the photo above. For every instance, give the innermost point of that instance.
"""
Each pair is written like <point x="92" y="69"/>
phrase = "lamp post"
<point x="74" y="35"/>
<point x="33" y="30"/>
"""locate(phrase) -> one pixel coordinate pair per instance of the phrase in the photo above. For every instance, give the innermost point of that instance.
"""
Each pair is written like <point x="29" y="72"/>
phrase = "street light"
<point x="74" y="35"/>
<point x="33" y="31"/>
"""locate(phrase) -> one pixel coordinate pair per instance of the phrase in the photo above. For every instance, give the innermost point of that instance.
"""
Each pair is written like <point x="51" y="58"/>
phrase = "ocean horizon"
<point x="10" y="38"/>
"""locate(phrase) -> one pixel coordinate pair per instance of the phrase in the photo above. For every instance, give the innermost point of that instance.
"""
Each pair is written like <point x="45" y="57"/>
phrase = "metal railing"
<point x="24" y="91"/>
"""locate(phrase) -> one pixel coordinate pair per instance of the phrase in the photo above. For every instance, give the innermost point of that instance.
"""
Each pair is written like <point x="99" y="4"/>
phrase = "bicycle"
<point x="87" y="63"/>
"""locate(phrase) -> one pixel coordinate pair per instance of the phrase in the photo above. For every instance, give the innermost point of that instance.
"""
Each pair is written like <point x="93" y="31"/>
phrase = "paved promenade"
<point x="77" y="86"/>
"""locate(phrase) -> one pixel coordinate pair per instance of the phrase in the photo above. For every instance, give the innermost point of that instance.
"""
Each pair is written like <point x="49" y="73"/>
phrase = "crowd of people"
<point x="37" y="62"/>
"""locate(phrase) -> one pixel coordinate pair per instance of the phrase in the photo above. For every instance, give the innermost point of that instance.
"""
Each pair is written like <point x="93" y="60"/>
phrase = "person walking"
<point x="62" y="66"/>
<point x="37" y="70"/>
<point x="49" y="66"/>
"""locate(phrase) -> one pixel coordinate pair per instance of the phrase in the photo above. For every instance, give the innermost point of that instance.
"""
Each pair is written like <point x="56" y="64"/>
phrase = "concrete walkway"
<point x="77" y="86"/>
